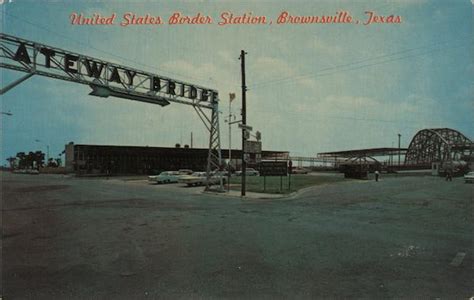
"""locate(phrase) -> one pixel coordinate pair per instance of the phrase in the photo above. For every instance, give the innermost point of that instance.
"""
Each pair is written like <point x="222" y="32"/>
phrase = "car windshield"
<point x="167" y="173"/>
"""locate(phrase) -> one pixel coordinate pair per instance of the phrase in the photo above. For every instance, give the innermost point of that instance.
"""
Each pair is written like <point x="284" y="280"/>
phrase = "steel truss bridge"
<point x="426" y="147"/>
<point x="339" y="157"/>
<point x="299" y="160"/>
<point x="439" y="145"/>
<point x="111" y="79"/>
<point x="364" y="155"/>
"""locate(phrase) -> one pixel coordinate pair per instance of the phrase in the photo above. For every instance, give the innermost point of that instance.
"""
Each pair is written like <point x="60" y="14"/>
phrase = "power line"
<point x="388" y="61"/>
<point x="318" y="73"/>
<point x="342" y="119"/>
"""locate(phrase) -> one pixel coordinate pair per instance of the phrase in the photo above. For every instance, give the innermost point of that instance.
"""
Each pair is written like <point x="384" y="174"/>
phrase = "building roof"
<point x="170" y="150"/>
<point x="364" y="152"/>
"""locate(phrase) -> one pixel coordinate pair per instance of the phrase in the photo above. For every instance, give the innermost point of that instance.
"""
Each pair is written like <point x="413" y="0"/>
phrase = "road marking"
<point x="457" y="260"/>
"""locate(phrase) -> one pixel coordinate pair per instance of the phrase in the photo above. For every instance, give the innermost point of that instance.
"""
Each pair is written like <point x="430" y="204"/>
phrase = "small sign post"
<point x="290" y="170"/>
<point x="253" y="147"/>
<point x="246" y="127"/>
<point x="273" y="168"/>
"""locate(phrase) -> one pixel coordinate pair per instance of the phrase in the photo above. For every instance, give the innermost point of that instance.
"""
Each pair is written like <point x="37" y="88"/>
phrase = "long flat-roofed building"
<point x="106" y="159"/>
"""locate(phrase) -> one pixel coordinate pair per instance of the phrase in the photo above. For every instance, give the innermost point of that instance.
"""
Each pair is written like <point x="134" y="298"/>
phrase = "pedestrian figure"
<point x="377" y="175"/>
<point x="449" y="176"/>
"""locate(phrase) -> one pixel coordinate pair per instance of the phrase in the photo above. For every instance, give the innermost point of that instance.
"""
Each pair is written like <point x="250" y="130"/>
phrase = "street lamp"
<point x="229" y="120"/>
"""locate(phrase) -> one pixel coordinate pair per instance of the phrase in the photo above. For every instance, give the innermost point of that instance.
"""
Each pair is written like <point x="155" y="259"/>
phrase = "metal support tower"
<point x="214" y="157"/>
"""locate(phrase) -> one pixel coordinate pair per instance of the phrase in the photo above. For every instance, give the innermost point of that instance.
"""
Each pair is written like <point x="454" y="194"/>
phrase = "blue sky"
<point x="312" y="88"/>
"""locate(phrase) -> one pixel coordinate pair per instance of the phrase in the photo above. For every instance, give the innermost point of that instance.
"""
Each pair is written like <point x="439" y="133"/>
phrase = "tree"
<point x="12" y="161"/>
<point x="38" y="158"/>
<point x="22" y="164"/>
<point x="30" y="160"/>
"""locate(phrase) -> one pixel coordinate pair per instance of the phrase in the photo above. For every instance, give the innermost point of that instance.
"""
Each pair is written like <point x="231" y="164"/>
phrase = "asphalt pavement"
<point x="93" y="238"/>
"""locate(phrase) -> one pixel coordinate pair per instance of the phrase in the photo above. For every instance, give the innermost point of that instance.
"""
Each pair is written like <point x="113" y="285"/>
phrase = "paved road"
<point x="69" y="238"/>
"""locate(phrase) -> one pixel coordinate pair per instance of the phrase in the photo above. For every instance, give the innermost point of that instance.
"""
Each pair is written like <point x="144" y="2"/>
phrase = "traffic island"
<point x="284" y="185"/>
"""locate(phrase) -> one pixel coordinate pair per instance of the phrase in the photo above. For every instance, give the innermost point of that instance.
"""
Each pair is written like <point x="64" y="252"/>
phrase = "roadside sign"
<point x="246" y="157"/>
<point x="246" y="127"/>
<point x="273" y="168"/>
<point x="252" y="147"/>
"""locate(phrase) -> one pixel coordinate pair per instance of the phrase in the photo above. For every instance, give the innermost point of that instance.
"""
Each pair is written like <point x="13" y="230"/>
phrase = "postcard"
<point x="236" y="149"/>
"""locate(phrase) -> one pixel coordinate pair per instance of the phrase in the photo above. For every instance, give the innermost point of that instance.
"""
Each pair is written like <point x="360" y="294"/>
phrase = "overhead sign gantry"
<point x="111" y="79"/>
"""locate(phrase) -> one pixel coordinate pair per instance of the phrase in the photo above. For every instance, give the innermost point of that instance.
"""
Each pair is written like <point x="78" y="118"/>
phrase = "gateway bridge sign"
<point x="105" y="78"/>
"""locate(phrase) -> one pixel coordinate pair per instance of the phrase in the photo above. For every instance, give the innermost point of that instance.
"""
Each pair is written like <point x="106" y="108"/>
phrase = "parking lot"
<point x="84" y="238"/>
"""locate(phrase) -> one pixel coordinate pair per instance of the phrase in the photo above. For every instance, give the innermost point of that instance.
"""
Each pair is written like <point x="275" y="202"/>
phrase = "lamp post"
<point x="229" y="120"/>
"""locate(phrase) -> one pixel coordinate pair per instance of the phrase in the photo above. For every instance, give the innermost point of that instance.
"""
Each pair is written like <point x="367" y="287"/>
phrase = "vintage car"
<point x="299" y="171"/>
<point x="469" y="177"/>
<point x="248" y="172"/>
<point x="199" y="178"/>
<point x="165" y="177"/>
<point x="185" y="172"/>
<point x="26" y="171"/>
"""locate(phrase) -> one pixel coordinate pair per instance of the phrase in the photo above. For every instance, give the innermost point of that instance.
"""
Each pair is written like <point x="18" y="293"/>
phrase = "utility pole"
<point x="244" y="120"/>
<point x="230" y="141"/>
<point x="399" y="136"/>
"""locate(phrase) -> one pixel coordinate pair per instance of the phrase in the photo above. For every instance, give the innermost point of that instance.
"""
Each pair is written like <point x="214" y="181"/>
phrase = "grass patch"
<point x="272" y="185"/>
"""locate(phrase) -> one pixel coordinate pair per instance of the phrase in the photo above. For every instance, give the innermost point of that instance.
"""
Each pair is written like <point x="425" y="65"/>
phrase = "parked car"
<point x="27" y="171"/>
<point x="199" y="178"/>
<point x="196" y="178"/>
<point x="164" y="177"/>
<point x="469" y="177"/>
<point x="185" y="172"/>
<point x="248" y="172"/>
<point x="224" y="173"/>
<point x="299" y="171"/>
